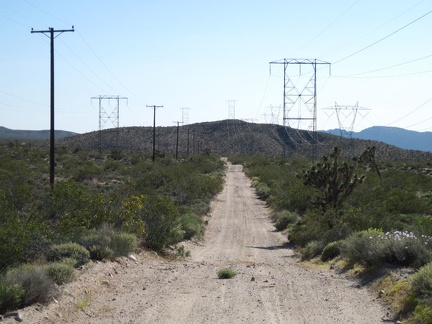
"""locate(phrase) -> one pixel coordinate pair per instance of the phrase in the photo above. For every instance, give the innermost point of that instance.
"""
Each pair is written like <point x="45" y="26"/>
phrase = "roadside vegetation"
<point x="357" y="215"/>
<point x="103" y="205"/>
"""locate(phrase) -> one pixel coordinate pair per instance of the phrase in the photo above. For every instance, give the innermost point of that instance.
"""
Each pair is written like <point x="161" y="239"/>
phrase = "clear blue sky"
<point x="199" y="54"/>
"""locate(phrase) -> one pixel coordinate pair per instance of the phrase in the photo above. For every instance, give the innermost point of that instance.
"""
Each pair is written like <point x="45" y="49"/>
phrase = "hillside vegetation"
<point x="230" y="137"/>
<point x="358" y="214"/>
<point x="103" y="204"/>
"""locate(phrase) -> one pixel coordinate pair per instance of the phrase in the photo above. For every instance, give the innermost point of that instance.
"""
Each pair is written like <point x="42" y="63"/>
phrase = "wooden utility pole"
<point x="177" y="141"/>
<point x="51" y="32"/>
<point x="154" y="130"/>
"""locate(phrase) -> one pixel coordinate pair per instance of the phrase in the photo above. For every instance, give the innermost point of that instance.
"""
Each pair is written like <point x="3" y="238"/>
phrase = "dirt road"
<point x="270" y="286"/>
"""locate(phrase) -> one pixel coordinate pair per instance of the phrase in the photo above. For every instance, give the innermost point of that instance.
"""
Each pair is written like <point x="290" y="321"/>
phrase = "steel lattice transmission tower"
<point x="346" y="113"/>
<point x="300" y="107"/>
<point x="231" y="109"/>
<point x="185" y="115"/>
<point x="109" y="114"/>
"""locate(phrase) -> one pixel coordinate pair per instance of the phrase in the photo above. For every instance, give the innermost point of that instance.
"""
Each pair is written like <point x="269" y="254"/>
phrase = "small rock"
<point x="131" y="257"/>
<point x="253" y="279"/>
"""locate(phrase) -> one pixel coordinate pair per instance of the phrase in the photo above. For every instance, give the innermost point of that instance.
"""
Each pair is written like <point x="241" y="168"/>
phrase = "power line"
<point x="411" y="112"/>
<point x="386" y="68"/>
<point x="106" y="67"/>
<point x="383" y="38"/>
<point x="329" y="25"/>
<point x="374" y="30"/>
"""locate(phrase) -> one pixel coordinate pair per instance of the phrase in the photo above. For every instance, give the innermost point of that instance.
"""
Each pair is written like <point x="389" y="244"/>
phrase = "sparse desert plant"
<point x="421" y="283"/>
<point x="364" y="248"/>
<point x="283" y="219"/>
<point x="10" y="296"/>
<point x="105" y="242"/>
<point x="331" y="251"/>
<point x="75" y="251"/>
<point x="192" y="225"/>
<point x="226" y="273"/>
<point x="37" y="285"/>
<point x="123" y="243"/>
<point x="60" y="272"/>
<point x="311" y="250"/>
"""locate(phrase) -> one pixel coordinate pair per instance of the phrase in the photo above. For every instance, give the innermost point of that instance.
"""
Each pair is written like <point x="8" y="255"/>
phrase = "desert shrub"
<point x="311" y="250"/>
<point x="192" y="225"/>
<point x="283" y="218"/>
<point x="13" y="240"/>
<point x="372" y="247"/>
<point x="364" y="247"/>
<point x="422" y="315"/>
<point x="37" y="285"/>
<point x="161" y="218"/>
<point x="97" y="243"/>
<point x="86" y="170"/>
<point x="123" y="243"/>
<point x="407" y="249"/>
<point x="105" y="242"/>
<point x="72" y="206"/>
<point x="421" y="283"/>
<point x="226" y="273"/>
<point x="331" y="251"/>
<point x="10" y="296"/>
<point x="310" y="227"/>
<point x="261" y="188"/>
<point x="60" y="272"/>
<point x="75" y="251"/>
<point x="200" y="207"/>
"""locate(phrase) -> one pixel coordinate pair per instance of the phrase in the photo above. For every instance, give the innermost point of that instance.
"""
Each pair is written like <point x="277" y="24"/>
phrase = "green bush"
<point x="105" y="242"/>
<point x="123" y="243"/>
<point x="226" y="273"/>
<point x="283" y="219"/>
<point x="311" y="250"/>
<point x="364" y="247"/>
<point x="10" y="296"/>
<point x="421" y="283"/>
<point x="331" y="251"/>
<point x="192" y="225"/>
<point x="75" y="251"/>
<point x="37" y="285"/>
<point x="373" y="247"/>
<point x="60" y="272"/>
<point x="422" y="315"/>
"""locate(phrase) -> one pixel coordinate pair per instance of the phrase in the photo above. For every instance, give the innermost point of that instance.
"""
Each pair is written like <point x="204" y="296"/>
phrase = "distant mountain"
<point x="406" y="139"/>
<point x="231" y="137"/>
<point x="31" y="135"/>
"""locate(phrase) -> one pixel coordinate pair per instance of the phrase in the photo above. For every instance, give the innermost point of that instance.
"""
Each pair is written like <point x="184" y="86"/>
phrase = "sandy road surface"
<point x="270" y="286"/>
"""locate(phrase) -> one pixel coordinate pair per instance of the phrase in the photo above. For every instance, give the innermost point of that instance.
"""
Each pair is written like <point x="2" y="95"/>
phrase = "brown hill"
<point x="230" y="137"/>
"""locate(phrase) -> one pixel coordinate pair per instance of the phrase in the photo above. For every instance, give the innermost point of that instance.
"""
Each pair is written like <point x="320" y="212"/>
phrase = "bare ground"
<point x="271" y="287"/>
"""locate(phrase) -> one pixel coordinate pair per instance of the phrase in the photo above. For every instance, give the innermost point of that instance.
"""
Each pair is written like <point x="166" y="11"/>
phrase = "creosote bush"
<point x="373" y="247"/>
<point x="421" y="283"/>
<point x="60" y="272"/>
<point x="226" y="273"/>
<point x="69" y="250"/>
<point x="106" y="243"/>
<point x="331" y="251"/>
<point x="34" y="280"/>
<point x="10" y="296"/>
<point x="284" y="218"/>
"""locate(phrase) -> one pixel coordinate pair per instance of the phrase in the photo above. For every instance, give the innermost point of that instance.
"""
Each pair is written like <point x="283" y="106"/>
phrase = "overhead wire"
<point x="376" y="29"/>
<point x="411" y="112"/>
<point x="383" y="38"/>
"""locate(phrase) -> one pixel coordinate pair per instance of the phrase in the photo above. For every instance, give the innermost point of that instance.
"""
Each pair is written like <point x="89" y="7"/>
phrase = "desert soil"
<point x="271" y="285"/>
